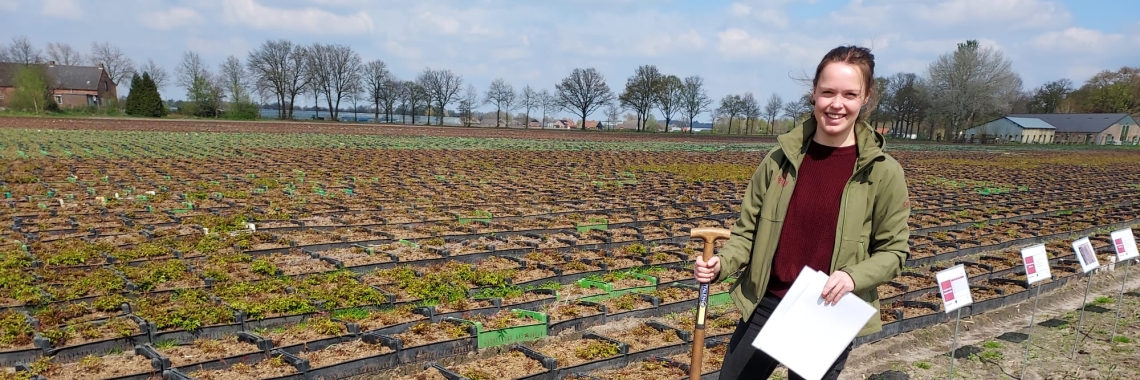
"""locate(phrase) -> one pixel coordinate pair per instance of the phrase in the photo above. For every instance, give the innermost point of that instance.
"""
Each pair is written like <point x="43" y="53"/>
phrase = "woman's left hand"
<point x="838" y="284"/>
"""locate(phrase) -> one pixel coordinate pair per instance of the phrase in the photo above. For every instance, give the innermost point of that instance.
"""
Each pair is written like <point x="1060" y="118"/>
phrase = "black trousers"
<point x="743" y="361"/>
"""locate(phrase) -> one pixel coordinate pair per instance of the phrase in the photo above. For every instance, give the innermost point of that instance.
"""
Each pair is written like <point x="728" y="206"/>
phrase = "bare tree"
<point x="695" y="100"/>
<point x="235" y="80"/>
<point x="750" y="111"/>
<point x="375" y="79"/>
<point x="670" y="98"/>
<point x="117" y="65"/>
<point x="731" y="106"/>
<point x="202" y="89"/>
<point x="21" y="51"/>
<point x="548" y="102"/>
<point x="424" y="81"/>
<point x="613" y="112"/>
<point x="443" y="86"/>
<point x="796" y="110"/>
<point x="971" y="83"/>
<point x="64" y="54"/>
<point x="583" y="92"/>
<point x="157" y="73"/>
<point x="502" y="95"/>
<point x="278" y="66"/>
<point x="416" y="96"/>
<point x="390" y="95"/>
<point x="772" y="111"/>
<point x="335" y="70"/>
<point x="190" y="69"/>
<point x="467" y="103"/>
<point x="528" y="101"/>
<point x="642" y="90"/>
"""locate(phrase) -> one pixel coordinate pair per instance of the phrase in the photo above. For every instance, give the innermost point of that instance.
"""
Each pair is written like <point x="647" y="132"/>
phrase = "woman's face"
<point x="838" y="95"/>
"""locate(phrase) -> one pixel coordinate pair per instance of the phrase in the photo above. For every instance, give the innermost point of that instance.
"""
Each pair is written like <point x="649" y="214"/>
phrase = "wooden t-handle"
<point x="709" y="235"/>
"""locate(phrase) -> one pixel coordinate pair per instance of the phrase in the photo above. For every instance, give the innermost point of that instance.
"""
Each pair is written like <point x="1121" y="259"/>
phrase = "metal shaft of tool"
<point x="1081" y="321"/>
<point x="1029" y="337"/>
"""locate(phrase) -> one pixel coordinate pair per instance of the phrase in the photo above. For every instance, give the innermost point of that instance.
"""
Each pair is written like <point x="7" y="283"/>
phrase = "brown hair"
<point x="861" y="58"/>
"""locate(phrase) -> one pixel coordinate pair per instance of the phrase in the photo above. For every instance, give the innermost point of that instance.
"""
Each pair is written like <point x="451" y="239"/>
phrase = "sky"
<point x="760" y="46"/>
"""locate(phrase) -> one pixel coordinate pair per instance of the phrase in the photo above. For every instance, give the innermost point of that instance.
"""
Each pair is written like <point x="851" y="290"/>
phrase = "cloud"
<point x="739" y="43"/>
<point x="1017" y="13"/>
<point x="9" y="5"/>
<point x="1078" y="40"/>
<point x="442" y="23"/>
<point x="773" y="17"/>
<point x="740" y="10"/>
<point x="400" y="50"/>
<point x="68" y="9"/>
<point x="658" y="44"/>
<point x="235" y="46"/>
<point x="309" y="20"/>
<point x="170" y="19"/>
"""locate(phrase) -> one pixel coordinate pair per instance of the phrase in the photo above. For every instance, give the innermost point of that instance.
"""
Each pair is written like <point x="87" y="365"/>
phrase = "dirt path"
<point x="923" y="354"/>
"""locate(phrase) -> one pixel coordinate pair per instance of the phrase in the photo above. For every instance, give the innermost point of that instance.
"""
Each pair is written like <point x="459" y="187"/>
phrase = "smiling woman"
<point x="836" y="170"/>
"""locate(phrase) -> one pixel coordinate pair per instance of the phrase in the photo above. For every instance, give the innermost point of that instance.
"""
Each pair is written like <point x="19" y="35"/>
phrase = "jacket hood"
<point x="869" y="141"/>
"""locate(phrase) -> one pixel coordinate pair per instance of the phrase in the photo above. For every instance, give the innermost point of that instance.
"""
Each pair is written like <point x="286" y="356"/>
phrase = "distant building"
<point x="71" y="86"/>
<point x="1058" y="128"/>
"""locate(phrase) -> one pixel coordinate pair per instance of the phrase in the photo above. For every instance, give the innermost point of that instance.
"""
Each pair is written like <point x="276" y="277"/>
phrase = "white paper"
<point x="1036" y="262"/>
<point x="955" y="288"/>
<point x="803" y="317"/>
<point x="1125" y="244"/>
<point x="1085" y="254"/>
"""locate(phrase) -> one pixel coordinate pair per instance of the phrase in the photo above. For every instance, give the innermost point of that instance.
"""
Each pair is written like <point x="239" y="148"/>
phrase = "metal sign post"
<point x="955" y="347"/>
<point x="1081" y="321"/>
<point x="1029" y="337"/>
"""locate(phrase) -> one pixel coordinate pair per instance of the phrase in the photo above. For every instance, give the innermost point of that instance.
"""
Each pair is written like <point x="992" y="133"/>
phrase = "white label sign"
<point x="955" y="288"/>
<point x="1085" y="254"/>
<point x="1124" y="243"/>
<point x="1036" y="263"/>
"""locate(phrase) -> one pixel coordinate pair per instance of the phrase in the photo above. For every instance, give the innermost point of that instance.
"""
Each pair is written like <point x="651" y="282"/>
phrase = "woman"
<point x="826" y="197"/>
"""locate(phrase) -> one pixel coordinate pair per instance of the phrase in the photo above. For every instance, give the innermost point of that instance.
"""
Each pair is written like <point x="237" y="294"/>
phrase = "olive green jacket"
<point x="871" y="236"/>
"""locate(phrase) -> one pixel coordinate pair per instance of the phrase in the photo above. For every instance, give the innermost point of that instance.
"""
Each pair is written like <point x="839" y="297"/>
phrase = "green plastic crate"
<point x="609" y="288"/>
<point x="516" y="334"/>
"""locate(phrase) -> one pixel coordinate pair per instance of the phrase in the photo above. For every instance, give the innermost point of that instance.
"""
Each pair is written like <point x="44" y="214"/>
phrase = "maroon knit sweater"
<point x="808" y="235"/>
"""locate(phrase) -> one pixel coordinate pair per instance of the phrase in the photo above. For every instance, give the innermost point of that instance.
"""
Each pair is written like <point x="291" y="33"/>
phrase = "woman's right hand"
<point x="706" y="272"/>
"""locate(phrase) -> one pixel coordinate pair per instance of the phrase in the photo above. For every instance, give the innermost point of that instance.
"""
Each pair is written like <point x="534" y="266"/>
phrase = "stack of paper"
<point x="804" y="333"/>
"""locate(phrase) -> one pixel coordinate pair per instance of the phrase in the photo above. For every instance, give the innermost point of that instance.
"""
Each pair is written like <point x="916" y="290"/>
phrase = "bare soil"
<point x="343" y="352"/>
<point x="265" y="369"/>
<point x="103" y="367"/>
<point x="644" y="337"/>
<point x="509" y="366"/>
<point x="204" y="350"/>
<point x="652" y="369"/>
<point x="992" y="345"/>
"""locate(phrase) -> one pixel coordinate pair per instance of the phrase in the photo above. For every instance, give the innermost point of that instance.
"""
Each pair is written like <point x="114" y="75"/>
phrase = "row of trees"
<point x="962" y="88"/>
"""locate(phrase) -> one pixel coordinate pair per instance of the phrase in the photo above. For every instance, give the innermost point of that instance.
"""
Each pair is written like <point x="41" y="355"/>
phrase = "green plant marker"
<point x="408" y="243"/>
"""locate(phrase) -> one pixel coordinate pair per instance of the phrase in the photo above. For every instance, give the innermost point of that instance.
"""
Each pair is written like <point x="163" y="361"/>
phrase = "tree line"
<point x="960" y="89"/>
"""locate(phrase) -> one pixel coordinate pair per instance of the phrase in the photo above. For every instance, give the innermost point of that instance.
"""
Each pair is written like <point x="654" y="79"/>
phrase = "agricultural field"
<point x="138" y="249"/>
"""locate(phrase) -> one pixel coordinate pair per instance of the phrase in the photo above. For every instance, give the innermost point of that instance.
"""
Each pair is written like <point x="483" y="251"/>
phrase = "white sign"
<point x="955" y="288"/>
<point x="1125" y="244"/>
<point x="802" y="316"/>
<point x="1085" y="254"/>
<point x="1036" y="264"/>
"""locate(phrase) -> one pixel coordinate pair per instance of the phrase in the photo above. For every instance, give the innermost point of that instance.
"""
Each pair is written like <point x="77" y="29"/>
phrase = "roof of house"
<point x="63" y="77"/>
<point x="1030" y="122"/>
<point x="1079" y="122"/>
